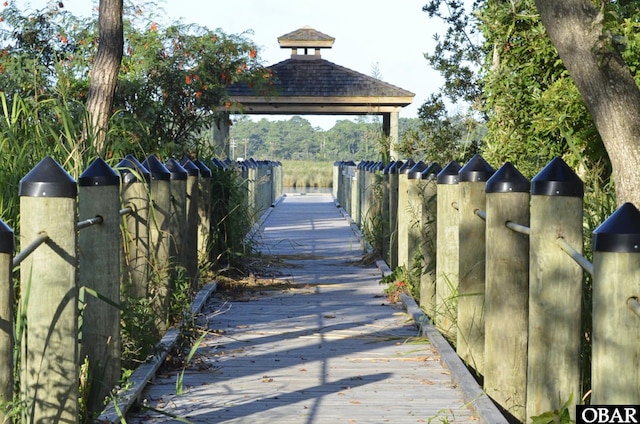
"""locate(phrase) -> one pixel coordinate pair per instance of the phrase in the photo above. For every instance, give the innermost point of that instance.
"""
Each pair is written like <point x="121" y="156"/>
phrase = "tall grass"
<point x="307" y="173"/>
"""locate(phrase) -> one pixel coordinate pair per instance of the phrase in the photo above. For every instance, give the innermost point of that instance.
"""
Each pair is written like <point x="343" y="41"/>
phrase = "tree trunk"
<point x="104" y="74"/>
<point x="605" y="83"/>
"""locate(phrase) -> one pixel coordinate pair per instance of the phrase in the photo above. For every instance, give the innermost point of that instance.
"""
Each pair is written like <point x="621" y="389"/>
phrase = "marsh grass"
<point x="307" y="174"/>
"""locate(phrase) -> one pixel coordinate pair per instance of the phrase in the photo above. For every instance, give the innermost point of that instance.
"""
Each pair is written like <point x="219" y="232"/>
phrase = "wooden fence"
<point x="502" y="274"/>
<point x="81" y="242"/>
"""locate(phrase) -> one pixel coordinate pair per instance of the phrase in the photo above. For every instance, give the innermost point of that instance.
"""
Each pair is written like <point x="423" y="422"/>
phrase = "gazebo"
<point x="307" y="84"/>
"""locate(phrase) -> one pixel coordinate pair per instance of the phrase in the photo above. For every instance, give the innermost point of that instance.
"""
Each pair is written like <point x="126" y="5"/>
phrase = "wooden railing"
<point x="502" y="274"/>
<point x="81" y="242"/>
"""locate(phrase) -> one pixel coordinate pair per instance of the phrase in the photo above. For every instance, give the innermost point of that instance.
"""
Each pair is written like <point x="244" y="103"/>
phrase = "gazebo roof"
<point x="308" y="84"/>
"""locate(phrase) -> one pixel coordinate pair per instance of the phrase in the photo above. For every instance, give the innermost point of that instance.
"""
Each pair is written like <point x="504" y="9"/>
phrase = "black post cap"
<point x="48" y="179"/>
<point x="178" y="172"/>
<point x="507" y="179"/>
<point x="415" y="173"/>
<point x="406" y="166"/>
<point x="132" y="171"/>
<point x="620" y="232"/>
<point x="395" y="166"/>
<point x="432" y="171"/>
<point x="99" y="173"/>
<point x="557" y="179"/>
<point x="7" y="240"/>
<point x="158" y="171"/>
<point x="450" y="173"/>
<point x="192" y="168"/>
<point x="476" y="170"/>
<point x="205" y="171"/>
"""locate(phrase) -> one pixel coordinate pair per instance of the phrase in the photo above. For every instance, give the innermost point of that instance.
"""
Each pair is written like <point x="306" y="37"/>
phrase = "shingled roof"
<point x="308" y="84"/>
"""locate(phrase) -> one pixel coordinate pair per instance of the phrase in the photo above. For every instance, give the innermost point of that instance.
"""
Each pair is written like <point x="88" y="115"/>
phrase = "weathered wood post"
<point x="428" y="235"/>
<point x="616" y="309"/>
<point x="555" y="290"/>
<point x="177" y="228"/>
<point x="250" y="180"/>
<point x="384" y="213"/>
<point x="159" y="241"/>
<point x="49" y="294"/>
<point x="7" y="247"/>
<point x="404" y="215"/>
<point x="335" y="186"/>
<point x="393" y="214"/>
<point x="447" y="252"/>
<point x="135" y="195"/>
<point x="471" y="288"/>
<point x="507" y="290"/>
<point x="191" y="232"/>
<point x="354" y="209"/>
<point x="204" y="211"/>
<point x="100" y="271"/>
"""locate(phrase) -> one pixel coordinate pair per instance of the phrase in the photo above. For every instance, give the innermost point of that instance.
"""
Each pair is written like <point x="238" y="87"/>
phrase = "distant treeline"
<point x="297" y="139"/>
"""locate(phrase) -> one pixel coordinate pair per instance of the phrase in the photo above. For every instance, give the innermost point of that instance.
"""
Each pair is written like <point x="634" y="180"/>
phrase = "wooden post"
<point x="204" y="211"/>
<point x="355" y="194"/>
<point x="404" y="215"/>
<point x="384" y="213"/>
<point x="7" y="246"/>
<point x="135" y="194"/>
<point x="159" y="241"/>
<point x="616" y="309"/>
<point x="447" y="252"/>
<point x="555" y="290"/>
<point x="471" y="289"/>
<point x="178" y="222"/>
<point x="393" y="214"/>
<point x="100" y="271"/>
<point x="335" y="186"/>
<point x="428" y="236"/>
<point x="191" y="234"/>
<point x="49" y="295"/>
<point x="507" y="291"/>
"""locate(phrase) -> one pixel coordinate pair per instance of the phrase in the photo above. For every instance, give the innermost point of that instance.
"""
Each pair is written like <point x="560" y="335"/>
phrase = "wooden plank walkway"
<point x="331" y="349"/>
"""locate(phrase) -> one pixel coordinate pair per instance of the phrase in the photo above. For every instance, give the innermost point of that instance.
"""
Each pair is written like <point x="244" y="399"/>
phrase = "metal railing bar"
<point x="634" y="304"/>
<point x="126" y="211"/>
<point x="518" y="228"/>
<point x="481" y="214"/>
<point x="575" y="255"/>
<point x="96" y="220"/>
<point x="30" y="248"/>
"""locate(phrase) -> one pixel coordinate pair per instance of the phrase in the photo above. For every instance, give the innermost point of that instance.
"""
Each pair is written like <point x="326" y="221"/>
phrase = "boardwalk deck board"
<point x="330" y="349"/>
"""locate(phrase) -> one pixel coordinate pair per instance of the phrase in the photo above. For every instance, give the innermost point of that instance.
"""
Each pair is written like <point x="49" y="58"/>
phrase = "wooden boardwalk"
<point x="331" y="349"/>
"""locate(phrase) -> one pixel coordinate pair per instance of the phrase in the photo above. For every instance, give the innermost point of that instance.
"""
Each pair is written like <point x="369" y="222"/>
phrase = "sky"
<point x="390" y="36"/>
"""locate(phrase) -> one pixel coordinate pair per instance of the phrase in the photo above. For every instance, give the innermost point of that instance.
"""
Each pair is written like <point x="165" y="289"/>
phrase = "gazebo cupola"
<point x="307" y="40"/>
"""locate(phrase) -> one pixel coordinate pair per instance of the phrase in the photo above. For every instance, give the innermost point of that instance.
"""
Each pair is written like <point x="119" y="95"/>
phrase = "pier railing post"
<point x="100" y="271"/>
<point x="204" y="211"/>
<point x="7" y="247"/>
<point x="135" y="194"/>
<point x="447" y="253"/>
<point x="555" y="290"/>
<point x="404" y="215"/>
<point x="507" y="290"/>
<point x="616" y="309"/>
<point x="49" y="294"/>
<point x="471" y="289"/>
<point x="393" y="214"/>
<point x="177" y="228"/>
<point x="428" y="236"/>
<point x="191" y="232"/>
<point x="384" y="213"/>
<point x="159" y="240"/>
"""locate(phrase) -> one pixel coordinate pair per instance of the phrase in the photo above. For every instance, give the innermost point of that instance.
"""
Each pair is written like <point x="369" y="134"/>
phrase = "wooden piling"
<point x="49" y="295"/>
<point x="7" y="336"/>
<point x="447" y="254"/>
<point x="191" y="232"/>
<point x="204" y="211"/>
<point x="555" y="290"/>
<point x="135" y="231"/>
<point x="428" y="236"/>
<point x="393" y="214"/>
<point x="99" y="272"/>
<point x="616" y="309"/>
<point x="507" y="291"/>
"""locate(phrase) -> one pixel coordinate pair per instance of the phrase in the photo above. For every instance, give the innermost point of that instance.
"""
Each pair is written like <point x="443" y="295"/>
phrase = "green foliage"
<point x="403" y="280"/>
<point x="561" y="415"/>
